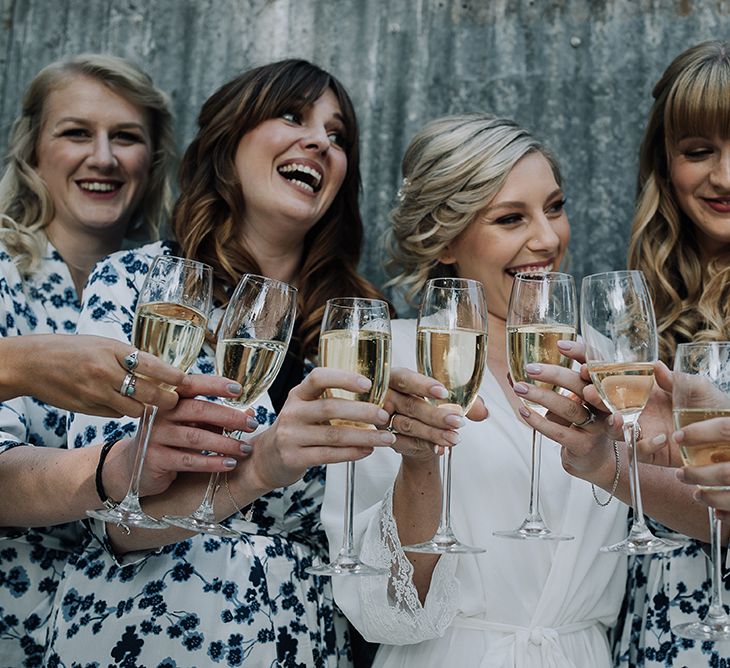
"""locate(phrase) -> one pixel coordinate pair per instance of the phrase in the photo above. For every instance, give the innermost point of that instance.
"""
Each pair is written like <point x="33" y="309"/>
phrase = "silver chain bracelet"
<point x="615" y="480"/>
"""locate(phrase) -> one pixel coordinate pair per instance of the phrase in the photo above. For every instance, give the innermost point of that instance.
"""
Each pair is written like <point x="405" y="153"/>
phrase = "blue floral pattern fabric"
<point x="205" y="601"/>
<point x="664" y="590"/>
<point x="31" y="562"/>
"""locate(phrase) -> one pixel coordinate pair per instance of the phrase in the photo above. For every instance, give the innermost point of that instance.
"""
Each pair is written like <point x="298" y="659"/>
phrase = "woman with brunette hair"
<point x="270" y="184"/>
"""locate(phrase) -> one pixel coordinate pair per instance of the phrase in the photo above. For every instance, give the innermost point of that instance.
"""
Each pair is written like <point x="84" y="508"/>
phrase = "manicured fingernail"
<point x="565" y="345"/>
<point x="439" y="392"/>
<point x="436" y="449"/>
<point x="387" y="438"/>
<point x="521" y="388"/>
<point x="679" y="473"/>
<point x="246" y="448"/>
<point x="533" y="368"/>
<point x="383" y="416"/>
<point x="363" y="382"/>
<point x="252" y="422"/>
<point x="610" y="420"/>
<point x="659" y="439"/>
<point x="452" y="437"/>
<point x="230" y="463"/>
<point x="235" y="388"/>
<point x="524" y="411"/>
<point x="455" y="421"/>
<point x="678" y="436"/>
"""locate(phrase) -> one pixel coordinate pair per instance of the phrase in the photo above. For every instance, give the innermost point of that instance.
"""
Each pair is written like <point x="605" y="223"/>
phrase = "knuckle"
<point x="187" y="461"/>
<point x="193" y="437"/>
<point x="410" y="405"/>
<point x="405" y="424"/>
<point x="332" y="435"/>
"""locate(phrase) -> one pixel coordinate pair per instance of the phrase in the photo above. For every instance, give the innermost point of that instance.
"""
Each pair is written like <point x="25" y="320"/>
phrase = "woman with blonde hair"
<point x="481" y="199"/>
<point x="681" y="241"/>
<point x="88" y="168"/>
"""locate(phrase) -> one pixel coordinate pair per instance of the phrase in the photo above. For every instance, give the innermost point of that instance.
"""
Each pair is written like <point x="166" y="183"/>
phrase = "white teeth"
<point x="301" y="184"/>
<point x="296" y="167"/>
<point x="97" y="187"/>
<point x="533" y="270"/>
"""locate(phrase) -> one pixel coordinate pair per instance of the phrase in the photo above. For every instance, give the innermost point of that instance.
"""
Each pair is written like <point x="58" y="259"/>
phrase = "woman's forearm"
<point x="416" y="509"/>
<point x="182" y="498"/>
<point x="664" y="498"/>
<point x="46" y="486"/>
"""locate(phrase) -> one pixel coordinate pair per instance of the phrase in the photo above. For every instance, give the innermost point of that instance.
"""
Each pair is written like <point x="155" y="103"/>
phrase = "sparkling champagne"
<point x="624" y="386"/>
<point x="707" y="453"/>
<point x="172" y="332"/>
<point x="455" y="358"/>
<point x="360" y="351"/>
<point x="252" y="363"/>
<point x="529" y="344"/>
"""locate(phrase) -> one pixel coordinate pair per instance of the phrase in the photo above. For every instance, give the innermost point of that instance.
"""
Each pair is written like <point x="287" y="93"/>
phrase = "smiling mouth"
<point x="303" y="176"/>
<point x="530" y="269"/>
<point x="99" y="186"/>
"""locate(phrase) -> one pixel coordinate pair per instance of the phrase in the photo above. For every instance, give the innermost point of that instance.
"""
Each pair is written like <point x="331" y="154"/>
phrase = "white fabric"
<point x="522" y="604"/>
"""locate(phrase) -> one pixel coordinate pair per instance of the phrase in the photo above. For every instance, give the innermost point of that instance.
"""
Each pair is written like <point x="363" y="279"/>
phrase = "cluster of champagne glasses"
<point x="618" y="328"/>
<point x="171" y="319"/>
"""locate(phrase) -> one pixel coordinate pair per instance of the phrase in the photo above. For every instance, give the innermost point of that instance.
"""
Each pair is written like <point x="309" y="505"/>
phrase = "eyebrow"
<point x="85" y="121"/>
<point x="517" y="205"/>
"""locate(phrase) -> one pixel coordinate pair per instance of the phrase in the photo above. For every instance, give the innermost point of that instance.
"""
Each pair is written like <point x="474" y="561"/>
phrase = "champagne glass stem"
<point x="445" y="520"/>
<point x="131" y="500"/>
<point x="205" y="510"/>
<point x="638" y="525"/>
<point x="533" y="514"/>
<point x="716" y="614"/>
<point x="347" y="549"/>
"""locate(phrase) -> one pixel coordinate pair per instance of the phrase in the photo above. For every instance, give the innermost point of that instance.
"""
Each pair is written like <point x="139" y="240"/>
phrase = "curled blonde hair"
<point x="26" y="206"/>
<point x="691" y="297"/>
<point x="452" y="169"/>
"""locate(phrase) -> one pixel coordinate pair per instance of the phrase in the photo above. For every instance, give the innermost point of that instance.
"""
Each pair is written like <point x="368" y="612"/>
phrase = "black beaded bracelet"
<point x="108" y="503"/>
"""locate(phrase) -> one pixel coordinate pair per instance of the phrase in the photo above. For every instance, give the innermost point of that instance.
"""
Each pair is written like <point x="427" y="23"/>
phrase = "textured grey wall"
<point x="578" y="73"/>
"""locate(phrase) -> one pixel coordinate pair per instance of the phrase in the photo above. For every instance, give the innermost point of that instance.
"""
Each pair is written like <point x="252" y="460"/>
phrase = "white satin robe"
<point x="521" y="604"/>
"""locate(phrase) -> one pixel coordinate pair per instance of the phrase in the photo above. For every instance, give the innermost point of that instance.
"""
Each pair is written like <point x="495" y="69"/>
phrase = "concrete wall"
<point x="578" y="73"/>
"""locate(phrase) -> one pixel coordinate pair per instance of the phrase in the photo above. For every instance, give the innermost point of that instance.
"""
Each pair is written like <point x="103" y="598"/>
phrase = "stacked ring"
<point x="128" y="387"/>
<point x="390" y="426"/>
<point x="590" y="418"/>
<point x="130" y="361"/>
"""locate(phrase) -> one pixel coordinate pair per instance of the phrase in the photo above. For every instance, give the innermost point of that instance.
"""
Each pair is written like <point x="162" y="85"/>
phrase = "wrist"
<point x="14" y="374"/>
<point x="116" y="471"/>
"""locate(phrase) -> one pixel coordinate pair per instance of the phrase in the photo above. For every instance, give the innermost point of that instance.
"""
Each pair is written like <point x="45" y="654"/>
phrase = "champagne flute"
<point x="355" y="336"/>
<point x="252" y="342"/>
<point x="701" y="391"/>
<point x="451" y="348"/>
<point x="542" y="311"/>
<point x="169" y="322"/>
<point x="619" y="330"/>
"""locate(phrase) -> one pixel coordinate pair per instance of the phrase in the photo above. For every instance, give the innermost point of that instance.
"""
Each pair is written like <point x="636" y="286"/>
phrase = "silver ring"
<point x="130" y="361"/>
<point x="590" y="418"/>
<point x="390" y="426"/>
<point x="128" y="387"/>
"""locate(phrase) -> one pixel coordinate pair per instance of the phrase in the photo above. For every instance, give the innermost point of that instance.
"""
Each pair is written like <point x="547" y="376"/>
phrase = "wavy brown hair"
<point x="691" y="296"/>
<point x="211" y="206"/>
<point x="26" y="206"/>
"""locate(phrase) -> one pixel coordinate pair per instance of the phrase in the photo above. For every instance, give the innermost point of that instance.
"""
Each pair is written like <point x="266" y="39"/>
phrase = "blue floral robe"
<point x="31" y="562"/>
<point x="205" y="601"/>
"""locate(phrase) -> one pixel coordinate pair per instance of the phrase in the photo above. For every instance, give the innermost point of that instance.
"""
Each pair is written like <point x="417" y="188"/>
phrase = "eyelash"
<point x="124" y="136"/>
<point x="556" y="209"/>
<point x="336" y="137"/>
